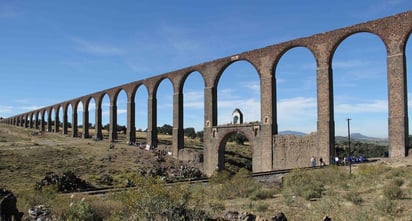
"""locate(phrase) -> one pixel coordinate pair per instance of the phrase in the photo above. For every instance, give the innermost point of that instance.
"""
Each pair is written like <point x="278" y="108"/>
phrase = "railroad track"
<point x="257" y="175"/>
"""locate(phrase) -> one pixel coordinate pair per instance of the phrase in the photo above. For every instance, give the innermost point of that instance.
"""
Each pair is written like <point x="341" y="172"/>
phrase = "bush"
<point x="153" y="200"/>
<point x="261" y="194"/>
<point x="228" y="187"/>
<point x="81" y="211"/>
<point x="303" y="183"/>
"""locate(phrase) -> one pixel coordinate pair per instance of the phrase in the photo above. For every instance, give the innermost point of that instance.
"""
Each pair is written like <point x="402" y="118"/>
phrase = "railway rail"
<point x="257" y="175"/>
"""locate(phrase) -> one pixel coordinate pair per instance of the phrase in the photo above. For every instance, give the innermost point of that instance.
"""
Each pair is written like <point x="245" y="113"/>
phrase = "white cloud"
<point x="252" y="86"/>
<point x="297" y="107"/>
<point x="96" y="48"/>
<point x="6" y="109"/>
<point x="348" y="64"/>
<point x="249" y="107"/>
<point x="375" y="106"/>
<point x="194" y="100"/>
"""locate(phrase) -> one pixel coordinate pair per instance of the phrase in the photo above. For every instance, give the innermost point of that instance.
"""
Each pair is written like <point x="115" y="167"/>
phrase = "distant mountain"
<point x="291" y="132"/>
<point x="362" y="138"/>
<point x="359" y="136"/>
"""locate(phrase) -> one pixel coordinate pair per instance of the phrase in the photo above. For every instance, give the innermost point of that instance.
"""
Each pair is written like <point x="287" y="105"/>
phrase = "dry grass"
<point x="25" y="159"/>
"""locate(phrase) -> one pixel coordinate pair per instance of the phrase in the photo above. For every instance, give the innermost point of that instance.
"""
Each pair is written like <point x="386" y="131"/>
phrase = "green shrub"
<point x="261" y="194"/>
<point x="303" y="183"/>
<point x="81" y="211"/>
<point x="153" y="200"/>
<point x="229" y="187"/>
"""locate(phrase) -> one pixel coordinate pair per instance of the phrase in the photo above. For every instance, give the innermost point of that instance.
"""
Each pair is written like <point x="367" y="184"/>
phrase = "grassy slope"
<point x="24" y="159"/>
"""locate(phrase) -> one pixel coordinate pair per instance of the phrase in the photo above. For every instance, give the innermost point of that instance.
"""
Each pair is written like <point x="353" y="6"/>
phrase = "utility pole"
<point x="349" y="150"/>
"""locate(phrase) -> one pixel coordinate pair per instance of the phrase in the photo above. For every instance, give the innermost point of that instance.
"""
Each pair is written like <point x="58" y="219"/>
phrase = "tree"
<point x="165" y="129"/>
<point x="238" y="138"/>
<point x="190" y="132"/>
<point x="200" y="135"/>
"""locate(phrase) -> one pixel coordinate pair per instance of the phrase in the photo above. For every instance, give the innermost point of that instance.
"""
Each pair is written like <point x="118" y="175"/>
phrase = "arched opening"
<point x="193" y="110"/>
<point x="69" y="119"/>
<point x="408" y="55"/>
<point x="52" y="122"/>
<point x="105" y="106"/>
<point x="80" y="128"/>
<point x="60" y="113"/>
<point x="164" y="97"/>
<point x="238" y="87"/>
<point x="235" y="152"/>
<point x="44" y="120"/>
<point x="121" y="103"/>
<point x="296" y="92"/>
<point x="360" y="96"/>
<point x="37" y="120"/>
<point x="91" y="107"/>
<point x="140" y="99"/>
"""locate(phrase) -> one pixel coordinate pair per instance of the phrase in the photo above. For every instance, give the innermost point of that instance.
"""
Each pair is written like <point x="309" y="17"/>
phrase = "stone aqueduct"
<point x="270" y="150"/>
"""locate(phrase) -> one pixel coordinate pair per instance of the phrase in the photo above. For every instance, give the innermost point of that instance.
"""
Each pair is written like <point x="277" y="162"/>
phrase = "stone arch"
<point x="31" y="120"/>
<point x="44" y="114"/>
<point x="345" y="36"/>
<point x="58" y="117"/>
<point x="91" y="115"/>
<point x="225" y="66"/>
<point x="243" y="88"/>
<point x="117" y="104"/>
<point x="223" y="134"/>
<point x="408" y="68"/>
<point x="158" y="84"/>
<point x="140" y="97"/>
<point x="37" y="119"/>
<point x="301" y="101"/>
<point x="346" y="80"/>
<point x="102" y="114"/>
<point x="52" y="118"/>
<point x="192" y="96"/>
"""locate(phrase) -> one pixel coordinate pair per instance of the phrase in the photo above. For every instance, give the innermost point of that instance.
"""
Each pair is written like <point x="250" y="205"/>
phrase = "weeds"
<point x="353" y="197"/>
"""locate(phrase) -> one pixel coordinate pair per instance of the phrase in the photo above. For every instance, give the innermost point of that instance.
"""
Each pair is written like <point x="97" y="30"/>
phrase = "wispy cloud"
<point x="375" y="106"/>
<point x="6" y="109"/>
<point x="97" y="48"/>
<point x="194" y="100"/>
<point x="380" y="7"/>
<point x="252" y="86"/>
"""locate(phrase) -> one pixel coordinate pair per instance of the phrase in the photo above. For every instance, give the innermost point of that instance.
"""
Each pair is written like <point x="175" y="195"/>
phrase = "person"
<point x="313" y="161"/>
<point x="321" y="163"/>
<point x="337" y="160"/>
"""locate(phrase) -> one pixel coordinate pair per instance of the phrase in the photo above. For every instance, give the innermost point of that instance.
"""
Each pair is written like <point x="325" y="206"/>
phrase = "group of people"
<point x="337" y="161"/>
<point x="313" y="162"/>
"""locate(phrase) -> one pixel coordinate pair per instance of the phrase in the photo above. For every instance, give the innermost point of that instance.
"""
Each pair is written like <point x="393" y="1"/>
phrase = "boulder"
<point x="279" y="217"/>
<point x="8" y="209"/>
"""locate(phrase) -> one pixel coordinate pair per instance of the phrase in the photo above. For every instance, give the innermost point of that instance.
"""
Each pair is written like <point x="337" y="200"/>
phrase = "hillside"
<point x="368" y="194"/>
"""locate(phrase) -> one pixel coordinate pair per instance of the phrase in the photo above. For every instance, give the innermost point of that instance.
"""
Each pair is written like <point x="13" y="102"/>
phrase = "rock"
<point x="279" y="217"/>
<point x="39" y="212"/>
<point x="8" y="209"/>
<point x="326" y="218"/>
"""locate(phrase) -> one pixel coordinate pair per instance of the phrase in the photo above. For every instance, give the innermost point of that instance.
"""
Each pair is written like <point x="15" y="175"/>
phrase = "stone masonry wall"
<point x="292" y="151"/>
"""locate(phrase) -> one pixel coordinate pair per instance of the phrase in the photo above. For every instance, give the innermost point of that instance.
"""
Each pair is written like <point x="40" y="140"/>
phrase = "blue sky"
<point x="53" y="51"/>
